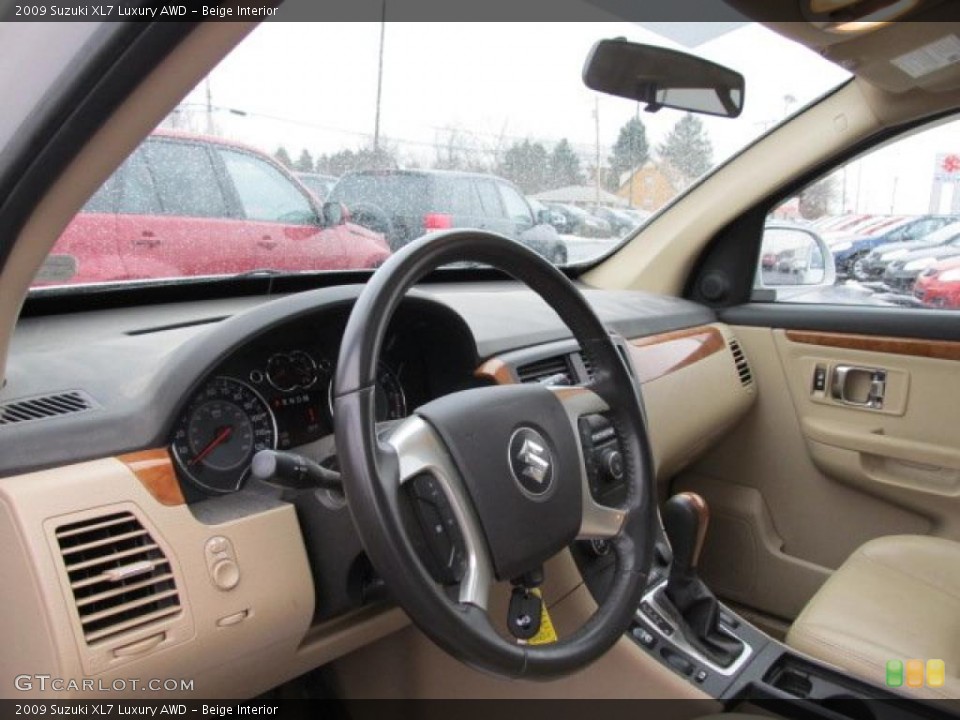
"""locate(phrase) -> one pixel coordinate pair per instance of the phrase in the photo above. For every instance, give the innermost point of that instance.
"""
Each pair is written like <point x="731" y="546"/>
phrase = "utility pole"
<point x="596" y="117"/>
<point x="633" y="154"/>
<point x="210" y="130"/>
<point x="376" y="122"/>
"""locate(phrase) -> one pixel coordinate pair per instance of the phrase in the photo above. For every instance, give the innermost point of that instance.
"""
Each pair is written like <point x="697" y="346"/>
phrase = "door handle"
<point x="147" y="241"/>
<point x="859" y="386"/>
<point x="267" y="244"/>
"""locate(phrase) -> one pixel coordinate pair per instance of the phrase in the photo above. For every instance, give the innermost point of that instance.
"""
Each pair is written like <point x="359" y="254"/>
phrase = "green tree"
<point x="345" y="161"/>
<point x="688" y="148"/>
<point x="336" y="164"/>
<point x="283" y="157"/>
<point x="304" y="162"/>
<point x="630" y="151"/>
<point x="526" y="164"/>
<point x="564" y="166"/>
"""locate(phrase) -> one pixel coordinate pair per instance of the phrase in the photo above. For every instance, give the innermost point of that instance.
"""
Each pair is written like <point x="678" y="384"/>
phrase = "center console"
<point x="681" y="624"/>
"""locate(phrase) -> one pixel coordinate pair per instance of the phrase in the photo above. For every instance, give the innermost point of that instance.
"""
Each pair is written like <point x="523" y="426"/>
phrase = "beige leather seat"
<point x="896" y="598"/>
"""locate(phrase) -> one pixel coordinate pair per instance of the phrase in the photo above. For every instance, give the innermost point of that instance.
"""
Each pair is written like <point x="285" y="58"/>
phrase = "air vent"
<point x="587" y="365"/>
<point x="542" y="371"/>
<point x="120" y="578"/>
<point x="743" y="367"/>
<point x="46" y="406"/>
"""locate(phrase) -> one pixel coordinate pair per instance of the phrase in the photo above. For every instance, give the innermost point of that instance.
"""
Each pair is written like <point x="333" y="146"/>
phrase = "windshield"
<point x="303" y="152"/>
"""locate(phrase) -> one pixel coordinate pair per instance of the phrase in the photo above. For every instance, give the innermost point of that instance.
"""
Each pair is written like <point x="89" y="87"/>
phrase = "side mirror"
<point x="334" y="213"/>
<point x="661" y="78"/>
<point x="544" y="217"/>
<point x="794" y="257"/>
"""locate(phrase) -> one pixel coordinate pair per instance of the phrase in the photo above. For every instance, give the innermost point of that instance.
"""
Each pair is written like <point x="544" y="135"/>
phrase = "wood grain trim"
<point x="154" y="468"/>
<point x="935" y="349"/>
<point x="660" y="355"/>
<point x="652" y="357"/>
<point x="496" y="371"/>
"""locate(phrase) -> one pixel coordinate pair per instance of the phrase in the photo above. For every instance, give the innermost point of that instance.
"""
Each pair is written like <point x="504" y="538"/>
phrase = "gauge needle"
<point x="220" y="437"/>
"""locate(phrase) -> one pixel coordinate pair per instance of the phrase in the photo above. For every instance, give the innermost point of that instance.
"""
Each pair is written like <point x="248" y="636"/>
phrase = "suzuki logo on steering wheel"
<point x="530" y="462"/>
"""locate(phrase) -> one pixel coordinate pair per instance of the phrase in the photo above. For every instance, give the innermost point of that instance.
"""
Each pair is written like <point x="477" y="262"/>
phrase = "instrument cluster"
<point x="269" y="397"/>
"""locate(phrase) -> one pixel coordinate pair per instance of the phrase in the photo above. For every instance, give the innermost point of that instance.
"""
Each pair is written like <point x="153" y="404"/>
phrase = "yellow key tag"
<point x="547" y="634"/>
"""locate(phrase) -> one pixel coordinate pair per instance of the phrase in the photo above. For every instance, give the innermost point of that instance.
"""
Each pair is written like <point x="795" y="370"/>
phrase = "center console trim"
<point x="679" y="640"/>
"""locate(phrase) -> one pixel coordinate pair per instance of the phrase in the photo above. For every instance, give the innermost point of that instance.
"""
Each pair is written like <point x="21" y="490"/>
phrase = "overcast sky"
<point x="313" y="85"/>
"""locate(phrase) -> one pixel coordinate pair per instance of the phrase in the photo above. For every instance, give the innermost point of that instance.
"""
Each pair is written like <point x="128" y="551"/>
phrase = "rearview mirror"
<point x="661" y="78"/>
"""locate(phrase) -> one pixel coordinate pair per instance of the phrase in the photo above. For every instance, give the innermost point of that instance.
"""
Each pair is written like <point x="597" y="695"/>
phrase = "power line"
<point x="585" y="150"/>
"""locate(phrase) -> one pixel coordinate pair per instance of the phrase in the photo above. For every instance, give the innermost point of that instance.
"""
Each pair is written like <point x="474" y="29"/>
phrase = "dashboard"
<point x="169" y="403"/>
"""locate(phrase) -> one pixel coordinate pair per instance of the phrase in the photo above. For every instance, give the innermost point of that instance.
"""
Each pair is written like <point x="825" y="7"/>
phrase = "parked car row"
<point x="187" y="205"/>
<point x="911" y="259"/>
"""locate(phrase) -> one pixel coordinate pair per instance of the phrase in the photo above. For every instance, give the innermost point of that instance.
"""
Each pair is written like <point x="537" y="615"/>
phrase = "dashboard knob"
<point x="612" y="462"/>
<point x="225" y="574"/>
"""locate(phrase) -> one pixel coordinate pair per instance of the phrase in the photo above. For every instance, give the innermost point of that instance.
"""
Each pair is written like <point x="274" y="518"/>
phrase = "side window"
<point x="104" y="200"/>
<point x="265" y="193"/>
<point x="138" y="193"/>
<point x="489" y="199"/>
<point x="185" y="180"/>
<point x="880" y="230"/>
<point x="516" y="206"/>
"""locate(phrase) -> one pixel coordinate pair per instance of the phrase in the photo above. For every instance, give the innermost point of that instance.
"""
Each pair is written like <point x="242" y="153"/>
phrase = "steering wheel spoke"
<point x="421" y="451"/>
<point x="597" y="521"/>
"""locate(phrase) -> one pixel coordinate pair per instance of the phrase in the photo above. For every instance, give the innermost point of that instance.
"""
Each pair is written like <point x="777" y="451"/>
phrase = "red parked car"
<point x="939" y="286"/>
<point x="184" y="205"/>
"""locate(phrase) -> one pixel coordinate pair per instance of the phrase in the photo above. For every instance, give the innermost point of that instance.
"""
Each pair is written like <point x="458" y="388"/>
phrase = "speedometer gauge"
<point x="226" y="423"/>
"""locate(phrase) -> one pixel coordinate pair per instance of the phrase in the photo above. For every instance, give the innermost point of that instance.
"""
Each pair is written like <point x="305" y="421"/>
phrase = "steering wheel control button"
<point x="613" y="463"/>
<point x="222" y="562"/>
<point x="603" y="459"/>
<point x="441" y="534"/>
<point x="531" y="462"/>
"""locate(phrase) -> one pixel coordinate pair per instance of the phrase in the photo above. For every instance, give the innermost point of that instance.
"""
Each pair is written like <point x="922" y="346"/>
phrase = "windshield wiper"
<point x="262" y="272"/>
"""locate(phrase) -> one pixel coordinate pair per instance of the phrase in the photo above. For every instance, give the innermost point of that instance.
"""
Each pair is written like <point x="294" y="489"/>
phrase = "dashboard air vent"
<point x="546" y="370"/>
<point x="38" y="408"/>
<point x="587" y="365"/>
<point x="743" y="367"/>
<point x="119" y="576"/>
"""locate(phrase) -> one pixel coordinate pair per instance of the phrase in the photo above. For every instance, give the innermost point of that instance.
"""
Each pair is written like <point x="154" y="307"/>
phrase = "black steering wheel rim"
<point x="370" y="467"/>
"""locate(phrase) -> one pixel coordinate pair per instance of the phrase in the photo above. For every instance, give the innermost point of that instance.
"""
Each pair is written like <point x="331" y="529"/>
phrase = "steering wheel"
<point x="514" y="511"/>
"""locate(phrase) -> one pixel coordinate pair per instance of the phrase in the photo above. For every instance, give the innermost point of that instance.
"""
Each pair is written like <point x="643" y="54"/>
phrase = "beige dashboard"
<point x="231" y="606"/>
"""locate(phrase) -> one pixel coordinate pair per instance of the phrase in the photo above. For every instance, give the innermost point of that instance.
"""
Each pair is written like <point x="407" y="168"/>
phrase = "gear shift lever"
<point x="685" y="519"/>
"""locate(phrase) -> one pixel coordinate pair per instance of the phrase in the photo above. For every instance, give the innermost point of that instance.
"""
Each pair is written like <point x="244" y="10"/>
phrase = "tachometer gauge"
<point x="391" y="402"/>
<point x="226" y="423"/>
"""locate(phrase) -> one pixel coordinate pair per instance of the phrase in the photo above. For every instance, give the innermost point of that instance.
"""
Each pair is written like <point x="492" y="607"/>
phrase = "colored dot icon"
<point x="913" y="673"/>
